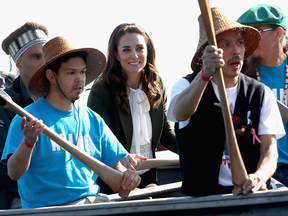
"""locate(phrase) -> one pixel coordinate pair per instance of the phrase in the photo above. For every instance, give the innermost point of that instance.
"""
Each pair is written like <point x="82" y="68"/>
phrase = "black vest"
<point x="202" y="141"/>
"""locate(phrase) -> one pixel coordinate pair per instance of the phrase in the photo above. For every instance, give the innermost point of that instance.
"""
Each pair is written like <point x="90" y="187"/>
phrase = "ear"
<point x="50" y="76"/>
<point x="280" y="33"/>
<point x="18" y="64"/>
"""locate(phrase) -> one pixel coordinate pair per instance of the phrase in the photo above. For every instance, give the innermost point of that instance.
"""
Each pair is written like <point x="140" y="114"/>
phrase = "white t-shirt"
<point x="270" y="120"/>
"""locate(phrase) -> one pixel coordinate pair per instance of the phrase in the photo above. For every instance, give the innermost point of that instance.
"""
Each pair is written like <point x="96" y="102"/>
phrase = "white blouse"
<point x="142" y="126"/>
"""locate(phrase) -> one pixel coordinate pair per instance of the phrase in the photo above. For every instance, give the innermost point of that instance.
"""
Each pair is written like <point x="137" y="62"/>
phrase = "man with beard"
<point x="269" y="65"/>
<point x="195" y="107"/>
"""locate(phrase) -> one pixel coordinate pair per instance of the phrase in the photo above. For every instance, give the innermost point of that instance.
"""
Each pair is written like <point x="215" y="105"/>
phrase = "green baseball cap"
<point x="264" y="14"/>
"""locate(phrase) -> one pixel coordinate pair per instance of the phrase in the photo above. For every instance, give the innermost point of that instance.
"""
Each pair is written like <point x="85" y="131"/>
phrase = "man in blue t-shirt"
<point x="269" y="65"/>
<point x="47" y="174"/>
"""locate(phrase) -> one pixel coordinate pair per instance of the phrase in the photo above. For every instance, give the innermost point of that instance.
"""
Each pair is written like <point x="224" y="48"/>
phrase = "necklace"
<point x="286" y="83"/>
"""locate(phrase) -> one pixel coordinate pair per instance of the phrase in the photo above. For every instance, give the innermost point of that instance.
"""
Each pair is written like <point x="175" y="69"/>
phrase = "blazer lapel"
<point x="157" y="119"/>
<point x="127" y="125"/>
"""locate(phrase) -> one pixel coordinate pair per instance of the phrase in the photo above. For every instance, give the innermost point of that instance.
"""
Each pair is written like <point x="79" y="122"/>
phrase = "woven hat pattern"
<point x="23" y="38"/>
<point x="222" y="24"/>
<point x="56" y="48"/>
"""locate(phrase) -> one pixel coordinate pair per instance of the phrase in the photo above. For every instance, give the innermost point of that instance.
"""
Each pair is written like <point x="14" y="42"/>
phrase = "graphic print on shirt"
<point x="249" y="122"/>
<point x="226" y="160"/>
<point x="83" y="142"/>
<point x="225" y="176"/>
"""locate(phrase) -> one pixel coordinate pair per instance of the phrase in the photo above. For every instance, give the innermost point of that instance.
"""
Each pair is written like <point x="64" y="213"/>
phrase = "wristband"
<point x="27" y="144"/>
<point x="204" y="77"/>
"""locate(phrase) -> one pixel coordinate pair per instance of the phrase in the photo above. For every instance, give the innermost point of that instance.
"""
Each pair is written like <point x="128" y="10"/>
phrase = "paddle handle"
<point x="239" y="173"/>
<point x="153" y="163"/>
<point x="110" y="176"/>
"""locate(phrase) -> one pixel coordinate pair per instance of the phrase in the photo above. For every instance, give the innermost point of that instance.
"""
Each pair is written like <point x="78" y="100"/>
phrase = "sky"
<point x="172" y="25"/>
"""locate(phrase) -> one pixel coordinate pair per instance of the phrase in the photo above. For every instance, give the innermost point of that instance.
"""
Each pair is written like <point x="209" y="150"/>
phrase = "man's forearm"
<point x="119" y="167"/>
<point x="19" y="162"/>
<point x="186" y="103"/>
<point x="268" y="157"/>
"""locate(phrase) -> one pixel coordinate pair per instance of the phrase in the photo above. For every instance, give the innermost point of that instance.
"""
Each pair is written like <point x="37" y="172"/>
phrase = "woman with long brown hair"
<point x="131" y="97"/>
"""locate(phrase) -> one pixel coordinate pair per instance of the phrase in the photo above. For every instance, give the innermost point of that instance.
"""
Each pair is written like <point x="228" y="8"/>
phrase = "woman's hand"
<point x="130" y="160"/>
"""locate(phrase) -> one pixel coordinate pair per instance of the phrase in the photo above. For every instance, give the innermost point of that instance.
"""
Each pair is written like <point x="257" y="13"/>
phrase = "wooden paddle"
<point x="153" y="163"/>
<point x="110" y="176"/>
<point x="283" y="111"/>
<point x="239" y="174"/>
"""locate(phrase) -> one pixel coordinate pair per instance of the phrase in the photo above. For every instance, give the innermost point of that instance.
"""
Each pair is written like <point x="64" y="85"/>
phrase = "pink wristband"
<point x="204" y="77"/>
<point x="27" y="144"/>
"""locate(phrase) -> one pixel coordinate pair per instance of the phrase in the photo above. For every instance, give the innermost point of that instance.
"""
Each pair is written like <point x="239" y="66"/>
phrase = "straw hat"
<point x="56" y="48"/>
<point x="222" y="24"/>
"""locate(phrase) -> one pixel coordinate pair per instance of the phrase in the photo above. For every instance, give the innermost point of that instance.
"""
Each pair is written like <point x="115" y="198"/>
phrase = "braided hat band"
<point x="26" y="40"/>
<point x="21" y="39"/>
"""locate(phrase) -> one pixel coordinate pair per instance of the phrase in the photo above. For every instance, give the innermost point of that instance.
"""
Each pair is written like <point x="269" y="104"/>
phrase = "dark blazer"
<point x="102" y="102"/>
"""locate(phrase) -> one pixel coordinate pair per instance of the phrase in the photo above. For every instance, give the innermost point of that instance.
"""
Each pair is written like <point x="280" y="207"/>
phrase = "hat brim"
<point x="95" y="64"/>
<point x="252" y="39"/>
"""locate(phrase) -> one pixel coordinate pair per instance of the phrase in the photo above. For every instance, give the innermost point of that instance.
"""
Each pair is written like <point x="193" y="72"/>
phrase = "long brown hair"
<point x="116" y="79"/>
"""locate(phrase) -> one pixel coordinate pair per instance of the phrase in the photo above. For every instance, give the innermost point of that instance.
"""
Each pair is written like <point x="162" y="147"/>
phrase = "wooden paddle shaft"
<point x="110" y="176"/>
<point x="283" y="111"/>
<point x="239" y="174"/>
<point x="153" y="163"/>
<point x="155" y="191"/>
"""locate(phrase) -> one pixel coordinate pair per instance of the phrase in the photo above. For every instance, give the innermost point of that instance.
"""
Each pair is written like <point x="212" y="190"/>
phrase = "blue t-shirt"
<point x="274" y="78"/>
<point x="54" y="176"/>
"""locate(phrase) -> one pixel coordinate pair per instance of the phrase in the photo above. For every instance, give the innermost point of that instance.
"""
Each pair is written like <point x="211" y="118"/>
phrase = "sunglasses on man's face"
<point x="264" y="30"/>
